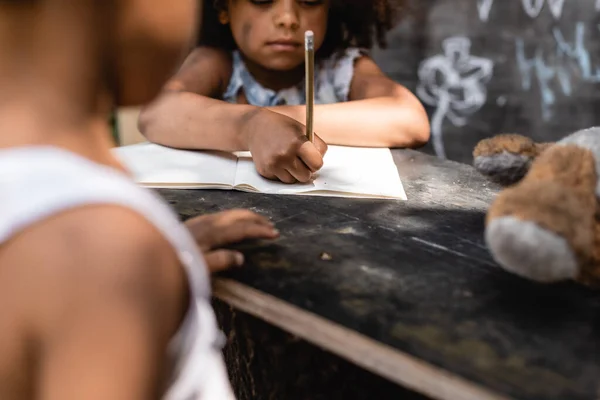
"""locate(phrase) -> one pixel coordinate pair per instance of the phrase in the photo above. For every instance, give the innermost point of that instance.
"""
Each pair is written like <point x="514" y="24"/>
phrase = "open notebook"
<point x="347" y="172"/>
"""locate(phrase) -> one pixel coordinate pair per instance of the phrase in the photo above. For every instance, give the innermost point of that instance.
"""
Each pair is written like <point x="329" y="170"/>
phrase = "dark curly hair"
<point x="360" y="23"/>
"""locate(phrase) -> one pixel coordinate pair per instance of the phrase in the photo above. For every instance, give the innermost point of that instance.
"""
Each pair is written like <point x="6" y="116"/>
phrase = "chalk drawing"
<point x="568" y="60"/>
<point x="485" y="6"/>
<point x="454" y="83"/>
<point x="533" y="8"/>
<point x="536" y="67"/>
<point x="556" y="7"/>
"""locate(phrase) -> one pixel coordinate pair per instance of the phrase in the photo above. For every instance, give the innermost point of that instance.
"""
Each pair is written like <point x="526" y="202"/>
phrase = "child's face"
<point x="271" y="32"/>
<point x="151" y="39"/>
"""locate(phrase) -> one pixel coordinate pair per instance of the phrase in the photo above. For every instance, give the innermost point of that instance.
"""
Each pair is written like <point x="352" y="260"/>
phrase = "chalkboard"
<point x="484" y="67"/>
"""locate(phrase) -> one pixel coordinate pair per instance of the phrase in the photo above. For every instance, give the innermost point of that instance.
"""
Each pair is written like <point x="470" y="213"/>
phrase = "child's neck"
<point x="274" y="80"/>
<point x="51" y="83"/>
<point x="36" y="111"/>
<point x="28" y="126"/>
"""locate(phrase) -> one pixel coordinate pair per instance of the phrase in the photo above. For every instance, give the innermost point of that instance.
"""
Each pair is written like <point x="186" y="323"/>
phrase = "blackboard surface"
<point x="484" y="67"/>
<point x="416" y="276"/>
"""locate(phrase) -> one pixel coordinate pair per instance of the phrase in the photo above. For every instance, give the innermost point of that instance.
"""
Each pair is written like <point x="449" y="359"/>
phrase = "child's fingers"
<point x="320" y="145"/>
<point x="237" y="215"/>
<point x="220" y="260"/>
<point x="311" y="156"/>
<point x="242" y="230"/>
<point x="215" y="230"/>
<point x="284" y="176"/>
<point x="299" y="171"/>
<point x="222" y="219"/>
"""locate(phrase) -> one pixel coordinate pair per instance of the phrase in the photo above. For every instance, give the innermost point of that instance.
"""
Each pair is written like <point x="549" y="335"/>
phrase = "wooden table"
<point x="410" y="298"/>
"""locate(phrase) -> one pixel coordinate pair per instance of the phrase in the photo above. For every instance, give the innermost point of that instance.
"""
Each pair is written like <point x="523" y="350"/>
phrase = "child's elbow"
<point x="411" y="122"/>
<point x="421" y="131"/>
<point x="148" y="123"/>
<point x="144" y="122"/>
<point x="412" y="129"/>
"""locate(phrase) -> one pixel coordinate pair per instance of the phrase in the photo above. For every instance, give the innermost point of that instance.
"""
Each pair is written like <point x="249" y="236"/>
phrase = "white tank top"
<point x="38" y="182"/>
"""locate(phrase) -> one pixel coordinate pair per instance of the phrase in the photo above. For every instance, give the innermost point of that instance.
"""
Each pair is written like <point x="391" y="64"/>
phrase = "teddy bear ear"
<point x="504" y="159"/>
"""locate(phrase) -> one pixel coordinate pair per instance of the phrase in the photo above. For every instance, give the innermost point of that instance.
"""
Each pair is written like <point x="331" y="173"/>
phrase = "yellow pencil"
<point x="309" y="47"/>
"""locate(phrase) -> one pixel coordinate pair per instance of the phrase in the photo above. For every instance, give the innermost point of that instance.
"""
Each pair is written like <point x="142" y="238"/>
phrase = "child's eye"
<point x="303" y="2"/>
<point x="261" y="2"/>
<point x="312" y="2"/>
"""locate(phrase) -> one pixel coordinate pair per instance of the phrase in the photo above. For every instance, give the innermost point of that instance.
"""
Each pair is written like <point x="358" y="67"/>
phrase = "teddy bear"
<point x="544" y="225"/>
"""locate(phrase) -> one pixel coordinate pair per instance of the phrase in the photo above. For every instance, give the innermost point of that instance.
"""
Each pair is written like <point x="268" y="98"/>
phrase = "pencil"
<point x="309" y="47"/>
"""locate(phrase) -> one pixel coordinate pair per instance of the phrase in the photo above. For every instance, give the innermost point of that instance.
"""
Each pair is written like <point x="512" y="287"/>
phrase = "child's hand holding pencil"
<point x="280" y="147"/>
<point x="283" y="149"/>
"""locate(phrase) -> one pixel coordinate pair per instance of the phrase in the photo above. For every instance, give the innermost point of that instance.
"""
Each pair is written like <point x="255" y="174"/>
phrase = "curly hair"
<point x="360" y="23"/>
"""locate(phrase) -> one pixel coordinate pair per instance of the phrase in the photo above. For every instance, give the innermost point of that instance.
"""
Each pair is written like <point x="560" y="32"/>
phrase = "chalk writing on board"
<point x="555" y="71"/>
<point x="484" y="7"/>
<point x="556" y="7"/>
<point x="453" y="83"/>
<point x="533" y="8"/>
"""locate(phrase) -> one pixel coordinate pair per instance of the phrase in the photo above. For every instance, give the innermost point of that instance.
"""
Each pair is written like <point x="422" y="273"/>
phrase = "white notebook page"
<point x="347" y="171"/>
<point x="158" y="166"/>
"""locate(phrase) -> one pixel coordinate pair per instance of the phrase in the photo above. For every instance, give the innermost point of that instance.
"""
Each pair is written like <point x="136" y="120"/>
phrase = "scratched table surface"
<point x="416" y="276"/>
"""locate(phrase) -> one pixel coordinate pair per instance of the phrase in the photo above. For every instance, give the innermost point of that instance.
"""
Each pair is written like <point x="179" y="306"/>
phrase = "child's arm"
<point x="380" y="113"/>
<point x="188" y="115"/>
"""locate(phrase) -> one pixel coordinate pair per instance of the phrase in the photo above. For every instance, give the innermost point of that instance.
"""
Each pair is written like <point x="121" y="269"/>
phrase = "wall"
<point x="484" y="67"/>
<point x="127" y="126"/>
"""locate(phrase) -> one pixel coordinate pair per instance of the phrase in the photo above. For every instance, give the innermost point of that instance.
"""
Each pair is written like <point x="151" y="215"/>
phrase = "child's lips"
<point x="283" y="45"/>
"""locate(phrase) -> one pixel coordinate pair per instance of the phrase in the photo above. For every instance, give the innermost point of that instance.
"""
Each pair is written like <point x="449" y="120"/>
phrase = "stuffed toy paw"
<point x="545" y="224"/>
<point x="505" y="159"/>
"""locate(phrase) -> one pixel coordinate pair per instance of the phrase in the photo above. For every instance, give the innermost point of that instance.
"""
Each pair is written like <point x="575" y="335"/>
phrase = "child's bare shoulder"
<point x="95" y="257"/>
<point x="205" y="71"/>
<point x="368" y="80"/>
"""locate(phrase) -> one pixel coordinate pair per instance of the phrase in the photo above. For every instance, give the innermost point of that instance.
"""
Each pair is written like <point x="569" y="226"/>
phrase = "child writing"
<point x="243" y="87"/>
<point x="103" y="293"/>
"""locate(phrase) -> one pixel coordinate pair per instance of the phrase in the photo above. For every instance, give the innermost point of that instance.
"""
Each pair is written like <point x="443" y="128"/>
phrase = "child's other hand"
<point x="280" y="148"/>
<point x="213" y="231"/>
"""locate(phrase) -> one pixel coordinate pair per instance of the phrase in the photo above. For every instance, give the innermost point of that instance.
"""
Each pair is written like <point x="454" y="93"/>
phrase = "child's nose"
<point x="286" y="15"/>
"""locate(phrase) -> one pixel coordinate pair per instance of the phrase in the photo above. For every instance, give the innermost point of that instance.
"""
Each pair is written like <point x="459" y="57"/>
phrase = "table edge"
<point x="385" y="361"/>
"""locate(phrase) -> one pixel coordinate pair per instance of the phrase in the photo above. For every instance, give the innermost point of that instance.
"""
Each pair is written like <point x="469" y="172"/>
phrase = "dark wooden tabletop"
<point x="408" y="290"/>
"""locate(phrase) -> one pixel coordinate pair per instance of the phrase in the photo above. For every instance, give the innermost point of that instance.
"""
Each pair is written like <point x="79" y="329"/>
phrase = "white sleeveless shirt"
<point x="38" y="182"/>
